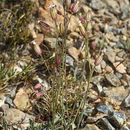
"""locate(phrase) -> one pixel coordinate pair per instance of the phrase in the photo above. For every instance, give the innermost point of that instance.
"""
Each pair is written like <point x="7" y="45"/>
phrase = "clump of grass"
<point x="64" y="105"/>
<point x="67" y="98"/>
<point x="13" y="33"/>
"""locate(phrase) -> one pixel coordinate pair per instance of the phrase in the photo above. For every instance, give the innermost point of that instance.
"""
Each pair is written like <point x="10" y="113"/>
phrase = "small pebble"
<point x="119" y="75"/>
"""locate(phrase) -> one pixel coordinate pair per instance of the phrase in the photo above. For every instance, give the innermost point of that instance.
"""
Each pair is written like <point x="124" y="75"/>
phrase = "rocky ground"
<point x="108" y="100"/>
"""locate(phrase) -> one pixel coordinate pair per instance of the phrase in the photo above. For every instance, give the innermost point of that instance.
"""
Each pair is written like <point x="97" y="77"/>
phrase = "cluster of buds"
<point x="38" y="87"/>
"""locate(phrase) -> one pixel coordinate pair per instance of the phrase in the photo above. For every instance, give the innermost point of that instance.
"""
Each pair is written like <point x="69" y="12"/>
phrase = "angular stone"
<point x="125" y="127"/>
<point x="126" y="102"/>
<point x="116" y="93"/>
<point x="108" y="69"/>
<point x="119" y="67"/>
<point x="98" y="69"/>
<point x="90" y="127"/>
<point x="103" y="64"/>
<point x="97" y="79"/>
<point x="51" y="42"/>
<point x="124" y="5"/>
<point x="69" y="60"/>
<point x="22" y="100"/>
<point x="113" y="80"/>
<point x="117" y="119"/>
<point x="110" y="54"/>
<point x="114" y="6"/>
<point x="15" y="116"/>
<point x="105" y="124"/>
<point x="104" y="109"/>
<point x="96" y="4"/>
<point x="119" y="75"/>
<point x="99" y="88"/>
<point x="74" y="53"/>
<point x="39" y="39"/>
<point x="126" y="77"/>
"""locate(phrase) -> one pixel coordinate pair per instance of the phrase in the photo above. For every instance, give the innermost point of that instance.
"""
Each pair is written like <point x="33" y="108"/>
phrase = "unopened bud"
<point x="44" y="25"/>
<point x="53" y="13"/>
<point x="37" y="48"/>
<point x="58" y="60"/>
<point x="59" y="12"/>
<point x="37" y="95"/>
<point x="75" y="7"/>
<point x="37" y="86"/>
<point x="61" y="28"/>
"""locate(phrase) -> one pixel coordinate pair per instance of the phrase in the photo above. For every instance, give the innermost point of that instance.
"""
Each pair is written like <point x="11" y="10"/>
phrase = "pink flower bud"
<point x="37" y="49"/>
<point x="37" y="86"/>
<point x="59" y="12"/>
<point x="45" y="25"/>
<point x="37" y="95"/>
<point x="58" y="60"/>
<point x="75" y="7"/>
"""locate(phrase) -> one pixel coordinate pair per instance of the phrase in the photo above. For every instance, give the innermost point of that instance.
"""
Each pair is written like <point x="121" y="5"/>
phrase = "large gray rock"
<point x="110" y="54"/>
<point x="117" y="119"/>
<point x="104" y="124"/>
<point x="104" y="109"/>
<point x="125" y="8"/>
<point x="115" y="93"/>
<point x="126" y="102"/>
<point x="90" y="127"/>
<point x="17" y="118"/>
<point x="112" y="79"/>
<point x="116" y="7"/>
<point x="97" y="4"/>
